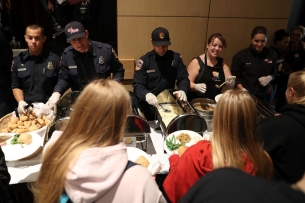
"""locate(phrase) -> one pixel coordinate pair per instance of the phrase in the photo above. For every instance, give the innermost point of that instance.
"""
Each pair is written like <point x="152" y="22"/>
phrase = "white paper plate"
<point x="192" y="134"/>
<point x="134" y="153"/>
<point x="18" y="151"/>
<point x="218" y="97"/>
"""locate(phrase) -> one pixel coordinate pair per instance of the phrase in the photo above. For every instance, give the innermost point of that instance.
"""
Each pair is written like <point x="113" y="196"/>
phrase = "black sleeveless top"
<point x="210" y="76"/>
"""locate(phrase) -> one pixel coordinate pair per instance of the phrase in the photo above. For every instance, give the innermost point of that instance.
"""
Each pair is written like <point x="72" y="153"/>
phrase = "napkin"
<point x="155" y="168"/>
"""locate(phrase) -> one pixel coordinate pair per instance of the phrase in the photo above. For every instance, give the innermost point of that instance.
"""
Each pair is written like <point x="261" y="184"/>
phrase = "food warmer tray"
<point x="137" y="126"/>
<point x="263" y="109"/>
<point x="182" y="116"/>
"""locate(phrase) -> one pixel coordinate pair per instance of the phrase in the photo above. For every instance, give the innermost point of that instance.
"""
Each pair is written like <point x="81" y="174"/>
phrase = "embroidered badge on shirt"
<point x="50" y="66"/>
<point x="151" y="71"/>
<point x="173" y="63"/>
<point x="296" y="55"/>
<point x="101" y="60"/>
<point x="139" y="65"/>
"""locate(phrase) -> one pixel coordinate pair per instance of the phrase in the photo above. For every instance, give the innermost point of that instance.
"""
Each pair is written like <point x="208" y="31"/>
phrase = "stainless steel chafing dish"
<point x="137" y="126"/>
<point x="263" y="109"/>
<point x="182" y="116"/>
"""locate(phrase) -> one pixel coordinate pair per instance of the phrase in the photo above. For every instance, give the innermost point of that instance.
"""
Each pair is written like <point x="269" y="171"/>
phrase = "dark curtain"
<point x="24" y="13"/>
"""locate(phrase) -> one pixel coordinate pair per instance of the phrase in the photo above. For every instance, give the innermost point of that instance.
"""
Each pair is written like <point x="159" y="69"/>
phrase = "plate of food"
<point x="180" y="138"/>
<point x="138" y="156"/>
<point x="17" y="146"/>
<point x="218" y="97"/>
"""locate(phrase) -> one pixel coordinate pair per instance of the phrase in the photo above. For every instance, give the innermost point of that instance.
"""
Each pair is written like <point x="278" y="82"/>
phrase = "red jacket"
<point x="187" y="169"/>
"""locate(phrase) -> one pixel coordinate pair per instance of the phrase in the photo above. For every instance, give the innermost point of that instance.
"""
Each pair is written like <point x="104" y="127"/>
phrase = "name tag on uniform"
<point x="151" y="71"/>
<point x="21" y="69"/>
<point x="72" y="67"/>
<point x="248" y="63"/>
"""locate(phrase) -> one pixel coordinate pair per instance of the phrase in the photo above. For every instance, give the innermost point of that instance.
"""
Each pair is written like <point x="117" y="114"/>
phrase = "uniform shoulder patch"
<point x="139" y="65"/>
<point x="115" y="55"/>
<point x="12" y="65"/>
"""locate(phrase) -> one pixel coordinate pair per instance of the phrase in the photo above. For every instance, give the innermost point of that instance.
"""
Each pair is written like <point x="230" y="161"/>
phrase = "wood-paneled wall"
<point x="191" y="22"/>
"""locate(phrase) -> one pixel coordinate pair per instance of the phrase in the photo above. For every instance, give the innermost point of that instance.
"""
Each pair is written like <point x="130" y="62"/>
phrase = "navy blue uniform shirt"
<point x="35" y="75"/>
<point x="154" y="74"/>
<point x="77" y="69"/>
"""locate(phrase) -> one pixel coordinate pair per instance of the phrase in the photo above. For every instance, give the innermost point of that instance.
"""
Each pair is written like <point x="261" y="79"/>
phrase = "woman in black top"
<point x="279" y="84"/>
<point x="254" y="67"/>
<point x="208" y="70"/>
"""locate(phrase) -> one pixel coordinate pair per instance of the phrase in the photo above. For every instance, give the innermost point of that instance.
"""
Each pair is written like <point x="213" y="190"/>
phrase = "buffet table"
<point x="27" y="170"/>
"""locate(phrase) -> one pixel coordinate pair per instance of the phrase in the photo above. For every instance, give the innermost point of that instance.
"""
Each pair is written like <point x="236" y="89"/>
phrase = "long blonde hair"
<point x="98" y="120"/>
<point x="297" y="82"/>
<point x="234" y="134"/>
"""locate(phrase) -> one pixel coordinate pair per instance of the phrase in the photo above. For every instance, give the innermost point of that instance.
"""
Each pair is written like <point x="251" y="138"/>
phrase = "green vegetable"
<point x="15" y="139"/>
<point x="172" y="144"/>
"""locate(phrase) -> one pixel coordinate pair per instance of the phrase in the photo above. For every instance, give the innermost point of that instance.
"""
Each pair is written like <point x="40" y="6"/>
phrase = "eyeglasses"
<point x="295" y="35"/>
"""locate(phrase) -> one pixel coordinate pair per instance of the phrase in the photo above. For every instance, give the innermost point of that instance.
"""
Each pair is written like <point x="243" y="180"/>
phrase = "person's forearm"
<point x="192" y="86"/>
<point x="18" y="94"/>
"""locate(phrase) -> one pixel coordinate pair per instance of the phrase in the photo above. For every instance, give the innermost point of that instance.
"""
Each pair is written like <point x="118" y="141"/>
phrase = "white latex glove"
<point x="180" y="94"/>
<point x="21" y="106"/>
<point x="231" y="79"/>
<point x="151" y="99"/>
<point x="201" y="87"/>
<point x="265" y="80"/>
<point x="51" y="104"/>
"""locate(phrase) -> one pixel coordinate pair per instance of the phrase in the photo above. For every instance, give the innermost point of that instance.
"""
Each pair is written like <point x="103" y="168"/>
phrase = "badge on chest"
<point x="101" y="60"/>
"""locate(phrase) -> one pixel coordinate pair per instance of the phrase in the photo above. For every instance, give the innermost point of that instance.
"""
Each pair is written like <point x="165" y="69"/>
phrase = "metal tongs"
<point x="165" y="110"/>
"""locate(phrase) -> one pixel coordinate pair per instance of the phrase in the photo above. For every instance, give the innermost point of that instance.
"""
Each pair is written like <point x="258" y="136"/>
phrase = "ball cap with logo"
<point x="160" y="37"/>
<point x="74" y="30"/>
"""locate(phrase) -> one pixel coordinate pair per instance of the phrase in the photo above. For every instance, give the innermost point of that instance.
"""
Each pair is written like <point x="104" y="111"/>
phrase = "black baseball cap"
<point x="74" y="30"/>
<point x="160" y="37"/>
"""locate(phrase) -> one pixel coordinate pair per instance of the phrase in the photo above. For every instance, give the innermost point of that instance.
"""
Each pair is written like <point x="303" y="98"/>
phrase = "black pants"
<point x="7" y="100"/>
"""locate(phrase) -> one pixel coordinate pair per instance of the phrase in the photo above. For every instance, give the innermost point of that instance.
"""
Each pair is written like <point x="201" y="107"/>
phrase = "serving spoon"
<point x="219" y="86"/>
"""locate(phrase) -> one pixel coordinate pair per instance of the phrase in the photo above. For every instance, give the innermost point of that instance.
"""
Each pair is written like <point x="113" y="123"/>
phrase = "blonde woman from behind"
<point x="88" y="159"/>
<point x="234" y="143"/>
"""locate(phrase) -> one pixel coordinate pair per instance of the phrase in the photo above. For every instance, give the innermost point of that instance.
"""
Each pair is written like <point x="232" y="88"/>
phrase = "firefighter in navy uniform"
<point x="158" y="70"/>
<point x="84" y="61"/>
<point x="35" y="71"/>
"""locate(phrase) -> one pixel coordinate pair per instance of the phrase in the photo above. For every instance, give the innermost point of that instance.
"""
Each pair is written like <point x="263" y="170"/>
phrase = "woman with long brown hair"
<point x="209" y="70"/>
<point x="88" y="159"/>
<point x="234" y="143"/>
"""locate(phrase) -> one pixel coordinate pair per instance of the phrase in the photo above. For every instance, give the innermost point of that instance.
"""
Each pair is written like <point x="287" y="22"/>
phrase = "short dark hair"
<point x="35" y="27"/>
<point x="279" y="35"/>
<point x="259" y="30"/>
<point x="218" y="36"/>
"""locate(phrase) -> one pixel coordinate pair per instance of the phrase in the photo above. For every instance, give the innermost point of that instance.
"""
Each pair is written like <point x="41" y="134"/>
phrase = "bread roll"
<point x="181" y="150"/>
<point x="33" y="128"/>
<point x="14" y="120"/>
<point x="20" y="123"/>
<point x="24" y="118"/>
<point x="25" y="138"/>
<point x="41" y="121"/>
<point x="21" y="130"/>
<point x="142" y="161"/>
